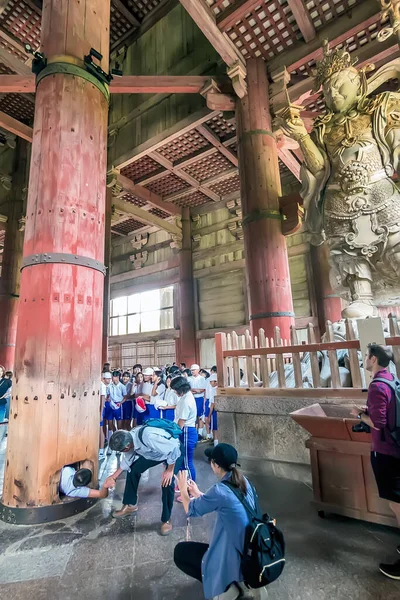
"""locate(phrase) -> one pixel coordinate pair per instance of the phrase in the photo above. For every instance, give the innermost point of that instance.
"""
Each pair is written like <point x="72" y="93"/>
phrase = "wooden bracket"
<point x="234" y="207"/>
<point x="236" y="229"/>
<point x="292" y="210"/>
<point x="176" y="238"/>
<point x="139" y="240"/>
<point x="237" y="73"/>
<point x="139" y="259"/>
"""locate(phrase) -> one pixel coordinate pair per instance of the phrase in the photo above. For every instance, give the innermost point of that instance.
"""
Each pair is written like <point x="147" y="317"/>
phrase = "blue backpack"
<point x="169" y="426"/>
<point x="395" y="387"/>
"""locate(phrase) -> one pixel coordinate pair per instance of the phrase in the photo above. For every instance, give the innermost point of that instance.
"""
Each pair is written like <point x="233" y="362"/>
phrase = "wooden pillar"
<point x="54" y="418"/>
<point x="186" y="349"/>
<point x="267" y="268"/>
<point x="12" y="256"/>
<point x="107" y="264"/>
<point x="329" y="305"/>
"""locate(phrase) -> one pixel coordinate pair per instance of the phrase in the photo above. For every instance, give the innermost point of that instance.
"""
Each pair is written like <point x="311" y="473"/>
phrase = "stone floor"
<point x="93" y="556"/>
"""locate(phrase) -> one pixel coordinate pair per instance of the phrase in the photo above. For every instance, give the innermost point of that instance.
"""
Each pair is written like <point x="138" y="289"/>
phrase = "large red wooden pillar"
<point x="267" y="268"/>
<point x="329" y="305"/>
<point x="54" y="410"/>
<point x="186" y="349"/>
<point x="12" y="256"/>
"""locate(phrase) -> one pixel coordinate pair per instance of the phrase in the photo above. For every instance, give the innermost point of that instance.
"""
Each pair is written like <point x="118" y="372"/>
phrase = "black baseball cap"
<point x="224" y="455"/>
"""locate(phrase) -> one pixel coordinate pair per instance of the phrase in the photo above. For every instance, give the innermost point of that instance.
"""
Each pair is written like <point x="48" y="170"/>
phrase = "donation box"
<point x="342" y="476"/>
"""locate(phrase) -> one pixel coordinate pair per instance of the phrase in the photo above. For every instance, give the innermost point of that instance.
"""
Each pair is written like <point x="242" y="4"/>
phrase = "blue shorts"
<point x="169" y="414"/>
<point x="214" y="421"/>
<point x="153" y="412"/>
<point x="109" y="414"/>
<point x="200" y="406"/>
<point x="207" y="411"/>
<point x="127" y="410"/>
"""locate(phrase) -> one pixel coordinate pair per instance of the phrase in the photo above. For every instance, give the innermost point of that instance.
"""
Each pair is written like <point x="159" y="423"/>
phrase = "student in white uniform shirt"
<point x="185" y="417"/>
<point x="198" y="387"/>
<point x="157" y="394"/>
<point x="74" y="484"/>
<point x="105" y="382"/>
<point x="169" y="401"/>
<point x="213" y="416"/>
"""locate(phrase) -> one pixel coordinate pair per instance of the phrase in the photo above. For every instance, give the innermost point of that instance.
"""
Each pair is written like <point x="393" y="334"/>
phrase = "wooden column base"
<point x="44" y="514"/>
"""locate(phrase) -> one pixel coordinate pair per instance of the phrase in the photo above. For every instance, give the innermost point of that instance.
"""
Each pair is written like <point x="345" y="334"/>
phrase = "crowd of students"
<point x="185" y="396"/>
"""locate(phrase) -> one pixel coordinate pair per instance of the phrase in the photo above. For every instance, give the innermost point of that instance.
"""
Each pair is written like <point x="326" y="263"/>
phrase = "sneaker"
<point x="231" y="593"/>
<point x="166" y="528"/>
<point x="109" y="451"/>
<point x="391" y="571"/>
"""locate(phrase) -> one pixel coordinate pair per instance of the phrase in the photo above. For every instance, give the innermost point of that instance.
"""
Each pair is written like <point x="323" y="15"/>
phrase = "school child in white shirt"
<point x="185" y="417"/>
<point x="74" y="484"/>
<point x="170" y="399"/>
<point x="213" y="415"/>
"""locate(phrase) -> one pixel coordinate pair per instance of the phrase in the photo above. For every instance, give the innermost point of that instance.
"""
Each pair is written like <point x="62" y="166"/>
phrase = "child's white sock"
<point x="215" y="442"/>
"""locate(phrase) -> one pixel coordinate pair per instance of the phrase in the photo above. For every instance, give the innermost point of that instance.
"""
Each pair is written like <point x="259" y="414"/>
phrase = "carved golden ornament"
<point x="333" y="61"/>
<point x="391" y="9"/>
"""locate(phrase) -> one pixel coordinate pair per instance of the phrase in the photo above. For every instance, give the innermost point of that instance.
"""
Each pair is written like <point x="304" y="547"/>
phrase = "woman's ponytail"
<point x="238" y="480"/>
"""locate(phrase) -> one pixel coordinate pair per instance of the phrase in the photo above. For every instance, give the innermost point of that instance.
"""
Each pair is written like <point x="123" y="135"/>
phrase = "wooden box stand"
<point x="343" y="480"/>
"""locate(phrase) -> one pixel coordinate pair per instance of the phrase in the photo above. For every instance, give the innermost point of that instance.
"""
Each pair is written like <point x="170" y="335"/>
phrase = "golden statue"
<point x="350" y="197"/>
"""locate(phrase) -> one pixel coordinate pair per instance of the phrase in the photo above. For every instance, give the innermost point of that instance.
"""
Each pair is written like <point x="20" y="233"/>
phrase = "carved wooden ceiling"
<point x="199" y="165"/>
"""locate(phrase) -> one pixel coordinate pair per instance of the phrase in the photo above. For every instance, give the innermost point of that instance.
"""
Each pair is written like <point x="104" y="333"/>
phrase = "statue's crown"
<point x="333" y="61"/>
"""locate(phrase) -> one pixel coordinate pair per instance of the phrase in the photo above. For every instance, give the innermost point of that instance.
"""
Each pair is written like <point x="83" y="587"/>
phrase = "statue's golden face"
<point x="342" y="91"/>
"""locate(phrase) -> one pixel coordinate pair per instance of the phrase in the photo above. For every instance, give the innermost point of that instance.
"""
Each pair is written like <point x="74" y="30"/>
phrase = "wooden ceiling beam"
<point x="204" y="18"/>
<point x="303" y="19"/>
<point x="145" y="194"/>
<point x="127" y="84"/>
<point x="158" y="84"/>
<point x="235" y="12"/>
<point x="16" y="127"/>
<point x="215" y="141"/>
<point x="145" y="217"/>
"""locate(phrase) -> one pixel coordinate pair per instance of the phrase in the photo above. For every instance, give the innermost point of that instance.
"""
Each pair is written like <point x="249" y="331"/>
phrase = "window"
<point x="139" y="313"/>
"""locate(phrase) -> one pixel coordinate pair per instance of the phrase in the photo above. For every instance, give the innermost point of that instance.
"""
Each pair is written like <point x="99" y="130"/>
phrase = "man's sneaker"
<point x="231" y="593"/>
<point x="391" y="571"/>
<point x="166" y="528"/>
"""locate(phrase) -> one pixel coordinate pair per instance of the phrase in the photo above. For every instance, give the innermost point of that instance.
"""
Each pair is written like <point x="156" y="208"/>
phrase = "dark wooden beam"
<point x="290" y="161"/>
<point x="158" y="84"/>
<point x="146" y="195"/>
<point x="145" y="217"/>
<point x="235" y="12"/>
<point x="205" y="20"/>
<point x="16" y="127"/>
<point x="121" y="8"/>
<point x="303" y="19"/>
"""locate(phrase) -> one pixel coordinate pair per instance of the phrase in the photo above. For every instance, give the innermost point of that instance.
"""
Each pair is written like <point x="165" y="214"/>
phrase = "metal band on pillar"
<point x="265" y="315"/>
<point x="76" y="70"/>
<point x="61" y="258"/>
<point x="262" y="214"/>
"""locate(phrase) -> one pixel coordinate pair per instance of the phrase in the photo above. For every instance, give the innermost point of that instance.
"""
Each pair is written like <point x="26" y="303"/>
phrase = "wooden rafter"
<point x="235" y="12"/>
<point x="303" y="19"/>
<point x="143" y="216"/>
<point x="214" y="140"/>
<point x="12" y="62"/>
<point x="205" y="20"/>
<point x="16" y="127"/>
<point x="290" y="161"/>
<point x="145" y="194"/>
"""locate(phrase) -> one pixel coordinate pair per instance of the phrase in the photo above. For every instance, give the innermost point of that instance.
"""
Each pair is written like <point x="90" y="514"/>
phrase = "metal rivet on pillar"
<point x="62" y="396"/>
<point x="85" y="393"/>
<point x="49" y="397"/>
<point x="74" y="395"/>
<point x="26" y="399"/>
<point x="35" y="398"/>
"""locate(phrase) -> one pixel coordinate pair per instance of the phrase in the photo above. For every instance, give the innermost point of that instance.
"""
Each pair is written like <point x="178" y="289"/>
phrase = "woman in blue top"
<point x="217" y="565"/>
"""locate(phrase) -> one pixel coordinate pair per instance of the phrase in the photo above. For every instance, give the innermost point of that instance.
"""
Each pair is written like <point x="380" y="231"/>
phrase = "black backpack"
<point x="395" y="387"/>
<point x="263" y="557"/>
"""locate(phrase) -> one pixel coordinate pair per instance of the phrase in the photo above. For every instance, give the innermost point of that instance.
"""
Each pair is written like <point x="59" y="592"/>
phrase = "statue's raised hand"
<point x="294" y="128"/>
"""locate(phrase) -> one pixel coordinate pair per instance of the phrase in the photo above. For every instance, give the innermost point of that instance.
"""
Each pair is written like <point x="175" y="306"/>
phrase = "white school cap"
<point x="107" y="376"/>
<point x="213" y="377"/>
<point x="148" y="371"/>
<point x="195" y="367"/>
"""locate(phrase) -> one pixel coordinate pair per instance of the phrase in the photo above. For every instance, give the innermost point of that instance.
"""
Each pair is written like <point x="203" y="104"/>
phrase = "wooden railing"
<point x="247" y="363"/>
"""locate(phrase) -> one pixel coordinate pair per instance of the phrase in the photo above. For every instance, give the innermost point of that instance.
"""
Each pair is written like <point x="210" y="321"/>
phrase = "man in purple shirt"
<point x="380" y="415"/>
